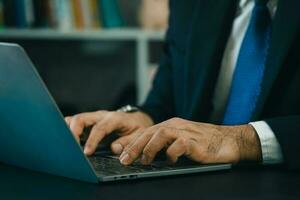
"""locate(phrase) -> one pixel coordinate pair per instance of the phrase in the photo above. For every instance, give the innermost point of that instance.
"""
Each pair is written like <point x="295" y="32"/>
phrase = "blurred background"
<point x="92" y="54"/>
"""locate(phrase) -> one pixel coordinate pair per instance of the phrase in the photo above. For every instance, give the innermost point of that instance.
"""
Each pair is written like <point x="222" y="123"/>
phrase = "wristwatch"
<point x="128" y="109"/>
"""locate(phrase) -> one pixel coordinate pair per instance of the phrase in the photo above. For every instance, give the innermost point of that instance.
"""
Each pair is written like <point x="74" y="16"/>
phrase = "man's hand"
<point x="104" y="123"/>
<point x="204" y="143"/>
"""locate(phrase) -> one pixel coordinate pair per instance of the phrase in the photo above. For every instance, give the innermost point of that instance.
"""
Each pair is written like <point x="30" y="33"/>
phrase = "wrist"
<point x="142" y="117"/>
<point x="249" y="144"/>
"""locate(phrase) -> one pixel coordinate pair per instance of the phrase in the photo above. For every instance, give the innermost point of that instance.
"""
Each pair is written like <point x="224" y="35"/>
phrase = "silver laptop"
<point x="34" y="135"/>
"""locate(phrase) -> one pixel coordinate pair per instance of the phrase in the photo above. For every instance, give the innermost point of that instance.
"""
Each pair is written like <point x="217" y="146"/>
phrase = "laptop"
<point x="34" y="135"/>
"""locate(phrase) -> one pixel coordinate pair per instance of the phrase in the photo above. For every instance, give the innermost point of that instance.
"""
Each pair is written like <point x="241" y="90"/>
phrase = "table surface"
<point x="237" y="183"/>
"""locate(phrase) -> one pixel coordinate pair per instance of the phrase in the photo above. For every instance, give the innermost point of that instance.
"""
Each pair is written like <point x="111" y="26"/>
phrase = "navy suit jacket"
<point x="195" y="42"/>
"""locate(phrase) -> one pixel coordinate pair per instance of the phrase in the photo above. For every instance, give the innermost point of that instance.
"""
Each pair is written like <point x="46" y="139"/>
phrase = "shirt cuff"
<point x="271" y="150"/>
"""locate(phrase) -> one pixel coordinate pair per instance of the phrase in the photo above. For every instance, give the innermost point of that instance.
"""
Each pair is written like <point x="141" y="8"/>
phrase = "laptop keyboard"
<point x="110" y="165"/>
<point x="113" y="166"/>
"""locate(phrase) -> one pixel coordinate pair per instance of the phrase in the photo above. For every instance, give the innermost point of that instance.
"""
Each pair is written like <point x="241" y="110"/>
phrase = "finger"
<point x="83" y="120"/>
<point x="196" y="152"/>
<point x="177" y="149"/>
<point x="68" y="120"/>
<point x="160" y="139"/>
<point x="98" y="132"/>
<point x="135" y="148"/>
<point x="119" y="145"/>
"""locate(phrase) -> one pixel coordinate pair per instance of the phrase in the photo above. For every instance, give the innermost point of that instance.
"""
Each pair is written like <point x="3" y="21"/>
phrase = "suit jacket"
<point x="195" y="42"/>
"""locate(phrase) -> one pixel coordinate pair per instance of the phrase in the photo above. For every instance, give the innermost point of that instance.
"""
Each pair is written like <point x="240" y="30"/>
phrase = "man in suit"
<point x="226" y="90"/>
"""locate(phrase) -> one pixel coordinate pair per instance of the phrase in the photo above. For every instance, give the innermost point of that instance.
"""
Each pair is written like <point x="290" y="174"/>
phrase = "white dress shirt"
<point x="271" y="150"/>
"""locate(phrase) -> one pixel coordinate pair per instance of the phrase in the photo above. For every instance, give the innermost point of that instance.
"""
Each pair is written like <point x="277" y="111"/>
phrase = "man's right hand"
<point x="103" y="123"/>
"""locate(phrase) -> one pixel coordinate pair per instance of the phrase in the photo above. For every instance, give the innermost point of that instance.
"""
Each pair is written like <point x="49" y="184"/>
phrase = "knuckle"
<point x="114" y="116"/>
<point x="175" y="120"/>
<point x="110" y="114"/>
<point x="122" y="141"/>
<point x="77" y="118"/>
<point x="132" y="151"/>
<point x="148" y="152"/>
<point x="101" y="113"/>
<point x="148" y="131"/>
<point x="182" y="141"/>
<point x="97" y="131"/>
<point x="127" y="147"/>
<point x="162" y="131"/>
<point x="99" y="128"/>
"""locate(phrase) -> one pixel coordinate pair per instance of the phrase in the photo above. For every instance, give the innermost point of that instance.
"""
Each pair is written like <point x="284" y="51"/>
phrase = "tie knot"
<point x="261" y="2"/>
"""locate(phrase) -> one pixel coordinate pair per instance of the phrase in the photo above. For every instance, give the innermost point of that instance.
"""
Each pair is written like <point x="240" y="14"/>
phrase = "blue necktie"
<point x="248" y="75"/>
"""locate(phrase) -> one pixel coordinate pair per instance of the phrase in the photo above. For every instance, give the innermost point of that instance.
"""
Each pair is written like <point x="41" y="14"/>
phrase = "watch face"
<point x="128" y="109"/>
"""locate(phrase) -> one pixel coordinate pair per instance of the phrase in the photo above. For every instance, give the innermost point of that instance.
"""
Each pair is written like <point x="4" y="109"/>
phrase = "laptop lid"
<point x="33" y="133"/>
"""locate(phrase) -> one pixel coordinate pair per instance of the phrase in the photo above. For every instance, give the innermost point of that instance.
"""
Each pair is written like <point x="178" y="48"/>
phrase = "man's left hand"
<point x="201" y="142"/>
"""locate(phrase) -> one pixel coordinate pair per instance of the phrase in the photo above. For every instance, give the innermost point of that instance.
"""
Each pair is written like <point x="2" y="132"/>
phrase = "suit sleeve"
<point x="287" y="130"/>
<point x="160" y="101"/>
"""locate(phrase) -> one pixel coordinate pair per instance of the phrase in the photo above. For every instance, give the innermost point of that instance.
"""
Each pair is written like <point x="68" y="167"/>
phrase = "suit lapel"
<point x="285" y="27"/>
<point x="211" y="27"/>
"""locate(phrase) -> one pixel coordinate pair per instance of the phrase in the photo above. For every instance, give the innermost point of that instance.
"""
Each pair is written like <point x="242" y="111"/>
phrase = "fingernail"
<point x="122" y="154"/>
<point x="124" y="159"/>
<point x="117" y="148"/>
<point x="86" y="150"/>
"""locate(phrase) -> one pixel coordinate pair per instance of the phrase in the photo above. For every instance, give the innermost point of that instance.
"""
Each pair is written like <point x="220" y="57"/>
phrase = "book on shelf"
<point x="44" y="12"/>
<point x="78" y="14"/>
<point x="23" y="10"/>
<point x="86" y="14"/>
<point x="111" y="14"/>
<point x="66" y="15"/>
<point x="94" y="7"/>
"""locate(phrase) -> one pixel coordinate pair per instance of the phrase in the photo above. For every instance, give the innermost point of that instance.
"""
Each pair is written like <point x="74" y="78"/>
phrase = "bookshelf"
<point x="141" y="38"/>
